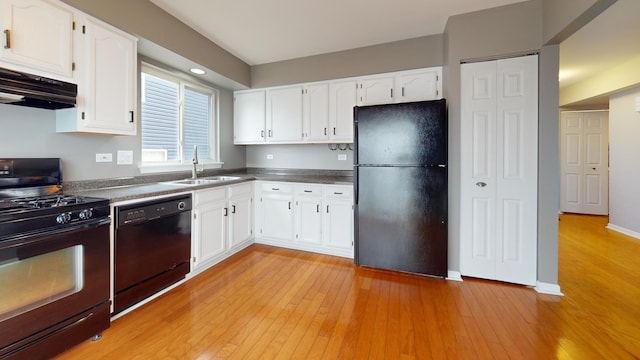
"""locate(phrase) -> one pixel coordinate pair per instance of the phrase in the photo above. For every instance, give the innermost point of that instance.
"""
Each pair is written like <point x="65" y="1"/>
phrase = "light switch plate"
<point x="125" y="157"/>
<point x="105" y="157"/>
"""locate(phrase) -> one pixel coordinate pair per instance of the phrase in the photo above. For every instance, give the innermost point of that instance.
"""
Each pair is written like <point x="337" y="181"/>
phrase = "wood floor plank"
<point x="267" y="302"/>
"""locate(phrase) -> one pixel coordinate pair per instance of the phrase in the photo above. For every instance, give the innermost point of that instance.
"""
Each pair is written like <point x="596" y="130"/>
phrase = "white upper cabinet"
<point x="322" y="112"/>
<point x="284" y="114"/>
<point x="342" y="99"/>
<point x="249" y="117"/>
<point x="107" y="85"/>
<point x="315" y="108"/>
<point x="37" y="37"/>
<point x="418" y="86"/>
<point x="374" y="91"/>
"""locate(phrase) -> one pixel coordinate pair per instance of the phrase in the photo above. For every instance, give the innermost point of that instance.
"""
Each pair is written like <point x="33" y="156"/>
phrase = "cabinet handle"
<point x="275" y="189"/>
<point x="337" y="193"/>
<point x="403" y="91"/>
<point x="7" y="37"/>
<point x="327" y="209"/>
<point x="226" y="212"/>
<point x="334" y="131"/>
<point x="131" y="113"/>
<point x="325" y="131"/>
<point x="289" y="205"/>
<point x="233" y="209"/>
<point x="317" y="208"/>
<point x="392" y="93"/>
<point x="310" y="191"/>
<point x="261" y="133"/>
<point x="270" y="133"/>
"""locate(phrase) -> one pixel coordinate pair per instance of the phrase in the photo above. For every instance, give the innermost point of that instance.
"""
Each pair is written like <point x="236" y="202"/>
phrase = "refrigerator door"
<point x="401" y="134"/>
<point x="400" y="217"/>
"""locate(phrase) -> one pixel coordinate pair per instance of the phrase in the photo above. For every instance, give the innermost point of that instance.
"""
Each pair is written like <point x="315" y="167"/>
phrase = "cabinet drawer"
<point x="277" y="187"/>
<point x="240" y="189"/>
<point x="209" y="195"/>
<point x="338" y="192"/>
<point x="307" y="189"/>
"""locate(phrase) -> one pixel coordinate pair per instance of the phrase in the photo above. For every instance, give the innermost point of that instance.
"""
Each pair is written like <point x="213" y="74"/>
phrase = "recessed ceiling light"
<point x="197" y="71"/>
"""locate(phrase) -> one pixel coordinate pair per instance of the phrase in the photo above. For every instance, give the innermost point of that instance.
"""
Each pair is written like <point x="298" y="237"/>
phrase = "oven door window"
<point x="26" y="284"/>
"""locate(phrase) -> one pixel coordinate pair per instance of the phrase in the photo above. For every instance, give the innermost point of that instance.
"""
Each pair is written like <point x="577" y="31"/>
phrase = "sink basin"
<point x="188" y="182"/>
<point x="222" y="178"/>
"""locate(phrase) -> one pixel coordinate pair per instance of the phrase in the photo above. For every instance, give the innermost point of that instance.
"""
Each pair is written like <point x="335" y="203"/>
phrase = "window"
<point x="176" y="116"/>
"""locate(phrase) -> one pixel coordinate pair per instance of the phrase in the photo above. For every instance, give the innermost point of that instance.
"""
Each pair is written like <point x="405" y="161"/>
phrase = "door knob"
<point x="481" y="184"/>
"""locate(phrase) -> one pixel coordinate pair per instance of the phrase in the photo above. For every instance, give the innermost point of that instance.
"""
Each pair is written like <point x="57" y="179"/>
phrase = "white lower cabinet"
<point x="311" y="217"/>
<point x="337" y="219"/>
<point x="222" y="223"/>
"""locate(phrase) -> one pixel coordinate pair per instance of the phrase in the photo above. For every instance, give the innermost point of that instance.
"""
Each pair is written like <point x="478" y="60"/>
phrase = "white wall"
<point x="298" y="157"/>
<point x="624" y="177"/>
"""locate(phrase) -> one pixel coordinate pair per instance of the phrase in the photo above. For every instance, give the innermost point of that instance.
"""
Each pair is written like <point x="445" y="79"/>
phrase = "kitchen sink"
<point x="188" y="182"/>
<point x="222" y="178"/>
<point x="202" y="181"/>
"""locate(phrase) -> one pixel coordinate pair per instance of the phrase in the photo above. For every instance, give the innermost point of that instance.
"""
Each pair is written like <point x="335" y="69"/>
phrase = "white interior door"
<point x="499" y="147"/>
<point x="584" y="149"/>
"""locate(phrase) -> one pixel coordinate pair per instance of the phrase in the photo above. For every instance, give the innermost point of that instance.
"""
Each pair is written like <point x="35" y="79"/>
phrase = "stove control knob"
<point x="85" y="214"/>
<point x="63" y="218"/>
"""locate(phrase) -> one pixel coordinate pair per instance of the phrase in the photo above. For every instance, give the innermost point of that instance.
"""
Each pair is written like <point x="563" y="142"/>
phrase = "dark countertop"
<point x="116" y="191"/>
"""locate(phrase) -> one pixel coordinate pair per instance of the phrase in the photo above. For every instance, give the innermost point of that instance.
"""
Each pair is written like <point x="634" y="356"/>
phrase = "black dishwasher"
<point x="152" y="248"/>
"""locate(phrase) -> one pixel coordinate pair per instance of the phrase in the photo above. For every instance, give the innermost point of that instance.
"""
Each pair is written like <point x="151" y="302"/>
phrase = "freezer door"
<point x="400" y="219"/>
<point x="401" y="134"/>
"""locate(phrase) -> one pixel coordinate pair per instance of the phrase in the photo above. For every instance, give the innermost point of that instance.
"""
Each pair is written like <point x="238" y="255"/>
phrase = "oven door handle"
<point x="30" y="238"/>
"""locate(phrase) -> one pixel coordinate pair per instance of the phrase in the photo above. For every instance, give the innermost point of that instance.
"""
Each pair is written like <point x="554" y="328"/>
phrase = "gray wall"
<point x="29" y="132"/>
<point x="142" y="18"/>
<point x="399" y="55"/>
<point x="298" y="157"/>
<point x="491" y="33"/>
<point x="565" y="17"/>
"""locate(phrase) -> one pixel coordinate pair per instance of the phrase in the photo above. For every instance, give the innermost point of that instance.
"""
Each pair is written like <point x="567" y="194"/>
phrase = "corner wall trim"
<point x="546" y="288"/>
<point x="454" y="275"/>
<point x="625" y="231"/>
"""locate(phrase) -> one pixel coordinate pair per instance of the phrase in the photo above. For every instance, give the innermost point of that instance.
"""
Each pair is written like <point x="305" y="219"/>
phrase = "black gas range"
<point x="54" y="261"/>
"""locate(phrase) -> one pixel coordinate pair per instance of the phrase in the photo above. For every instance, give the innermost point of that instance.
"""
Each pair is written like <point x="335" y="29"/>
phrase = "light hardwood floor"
<point x="268" y="303"/>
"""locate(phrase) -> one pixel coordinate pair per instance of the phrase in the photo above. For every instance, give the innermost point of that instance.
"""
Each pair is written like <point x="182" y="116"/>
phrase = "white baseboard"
<point x="546" y="288"/>
<point x="454" y="275"/>
<point x="623" y="230"/>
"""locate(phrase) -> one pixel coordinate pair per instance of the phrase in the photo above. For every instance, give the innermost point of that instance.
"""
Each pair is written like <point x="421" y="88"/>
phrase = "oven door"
<point x="48" y="281"/>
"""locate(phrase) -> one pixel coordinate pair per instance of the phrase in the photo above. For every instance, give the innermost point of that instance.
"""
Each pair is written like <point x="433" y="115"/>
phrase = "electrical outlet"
<point x="106" y="157"/>
<point x="125" y="157"/>
<point x="269" y="156"/>
<point x="342" y="157"/>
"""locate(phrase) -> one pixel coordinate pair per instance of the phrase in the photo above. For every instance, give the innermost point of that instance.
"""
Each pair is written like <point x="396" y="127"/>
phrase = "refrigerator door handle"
<point x="355" y="184"/>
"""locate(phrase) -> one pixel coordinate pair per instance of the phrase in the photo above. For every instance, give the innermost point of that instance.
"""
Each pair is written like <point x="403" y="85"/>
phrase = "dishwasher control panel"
<point x="152" y="209"/>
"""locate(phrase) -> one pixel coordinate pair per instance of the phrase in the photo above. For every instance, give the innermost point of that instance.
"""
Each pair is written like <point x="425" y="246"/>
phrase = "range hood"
<point x="23" y="89"/>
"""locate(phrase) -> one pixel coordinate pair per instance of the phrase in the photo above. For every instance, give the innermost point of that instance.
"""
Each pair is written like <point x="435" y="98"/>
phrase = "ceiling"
<point x="260" y="32"/>
<point x="609" y="40"/>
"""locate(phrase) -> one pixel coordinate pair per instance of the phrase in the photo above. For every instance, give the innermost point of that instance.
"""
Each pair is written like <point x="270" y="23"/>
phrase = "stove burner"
<point x="48" y="201"/>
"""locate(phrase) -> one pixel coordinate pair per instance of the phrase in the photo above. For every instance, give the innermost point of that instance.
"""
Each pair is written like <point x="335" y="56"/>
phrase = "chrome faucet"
<point x="194" y="171"/>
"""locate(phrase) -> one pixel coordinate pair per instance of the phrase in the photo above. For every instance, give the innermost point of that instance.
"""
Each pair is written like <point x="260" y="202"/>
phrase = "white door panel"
<point x="499" y="170"/>
<point x="584" y="183"/>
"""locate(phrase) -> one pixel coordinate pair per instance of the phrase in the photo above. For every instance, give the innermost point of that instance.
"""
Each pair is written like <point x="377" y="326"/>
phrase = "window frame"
<point x="184" y="81"/>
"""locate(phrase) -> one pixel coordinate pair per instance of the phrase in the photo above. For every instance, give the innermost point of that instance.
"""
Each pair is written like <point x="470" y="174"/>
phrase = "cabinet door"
<point x="276" y="216"/>
<point x="309" y="219"/>
<point x="249" y="117"/>
<point x="240" y="220"/>
<point x="38" y="35"/>
<point x="284" y="114"/>
<point x="210" y="231"/>
<point x="107" y="95"/>
<point x="375" y="91"/>
<point x="338" y="221"/>
<point x="316" y="112"/>
<point x="417" y="87"/>
<point x="342" y="99"/>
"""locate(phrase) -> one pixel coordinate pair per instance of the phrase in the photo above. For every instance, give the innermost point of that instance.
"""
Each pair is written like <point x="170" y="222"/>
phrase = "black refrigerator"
<point x="400" y="187"/>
